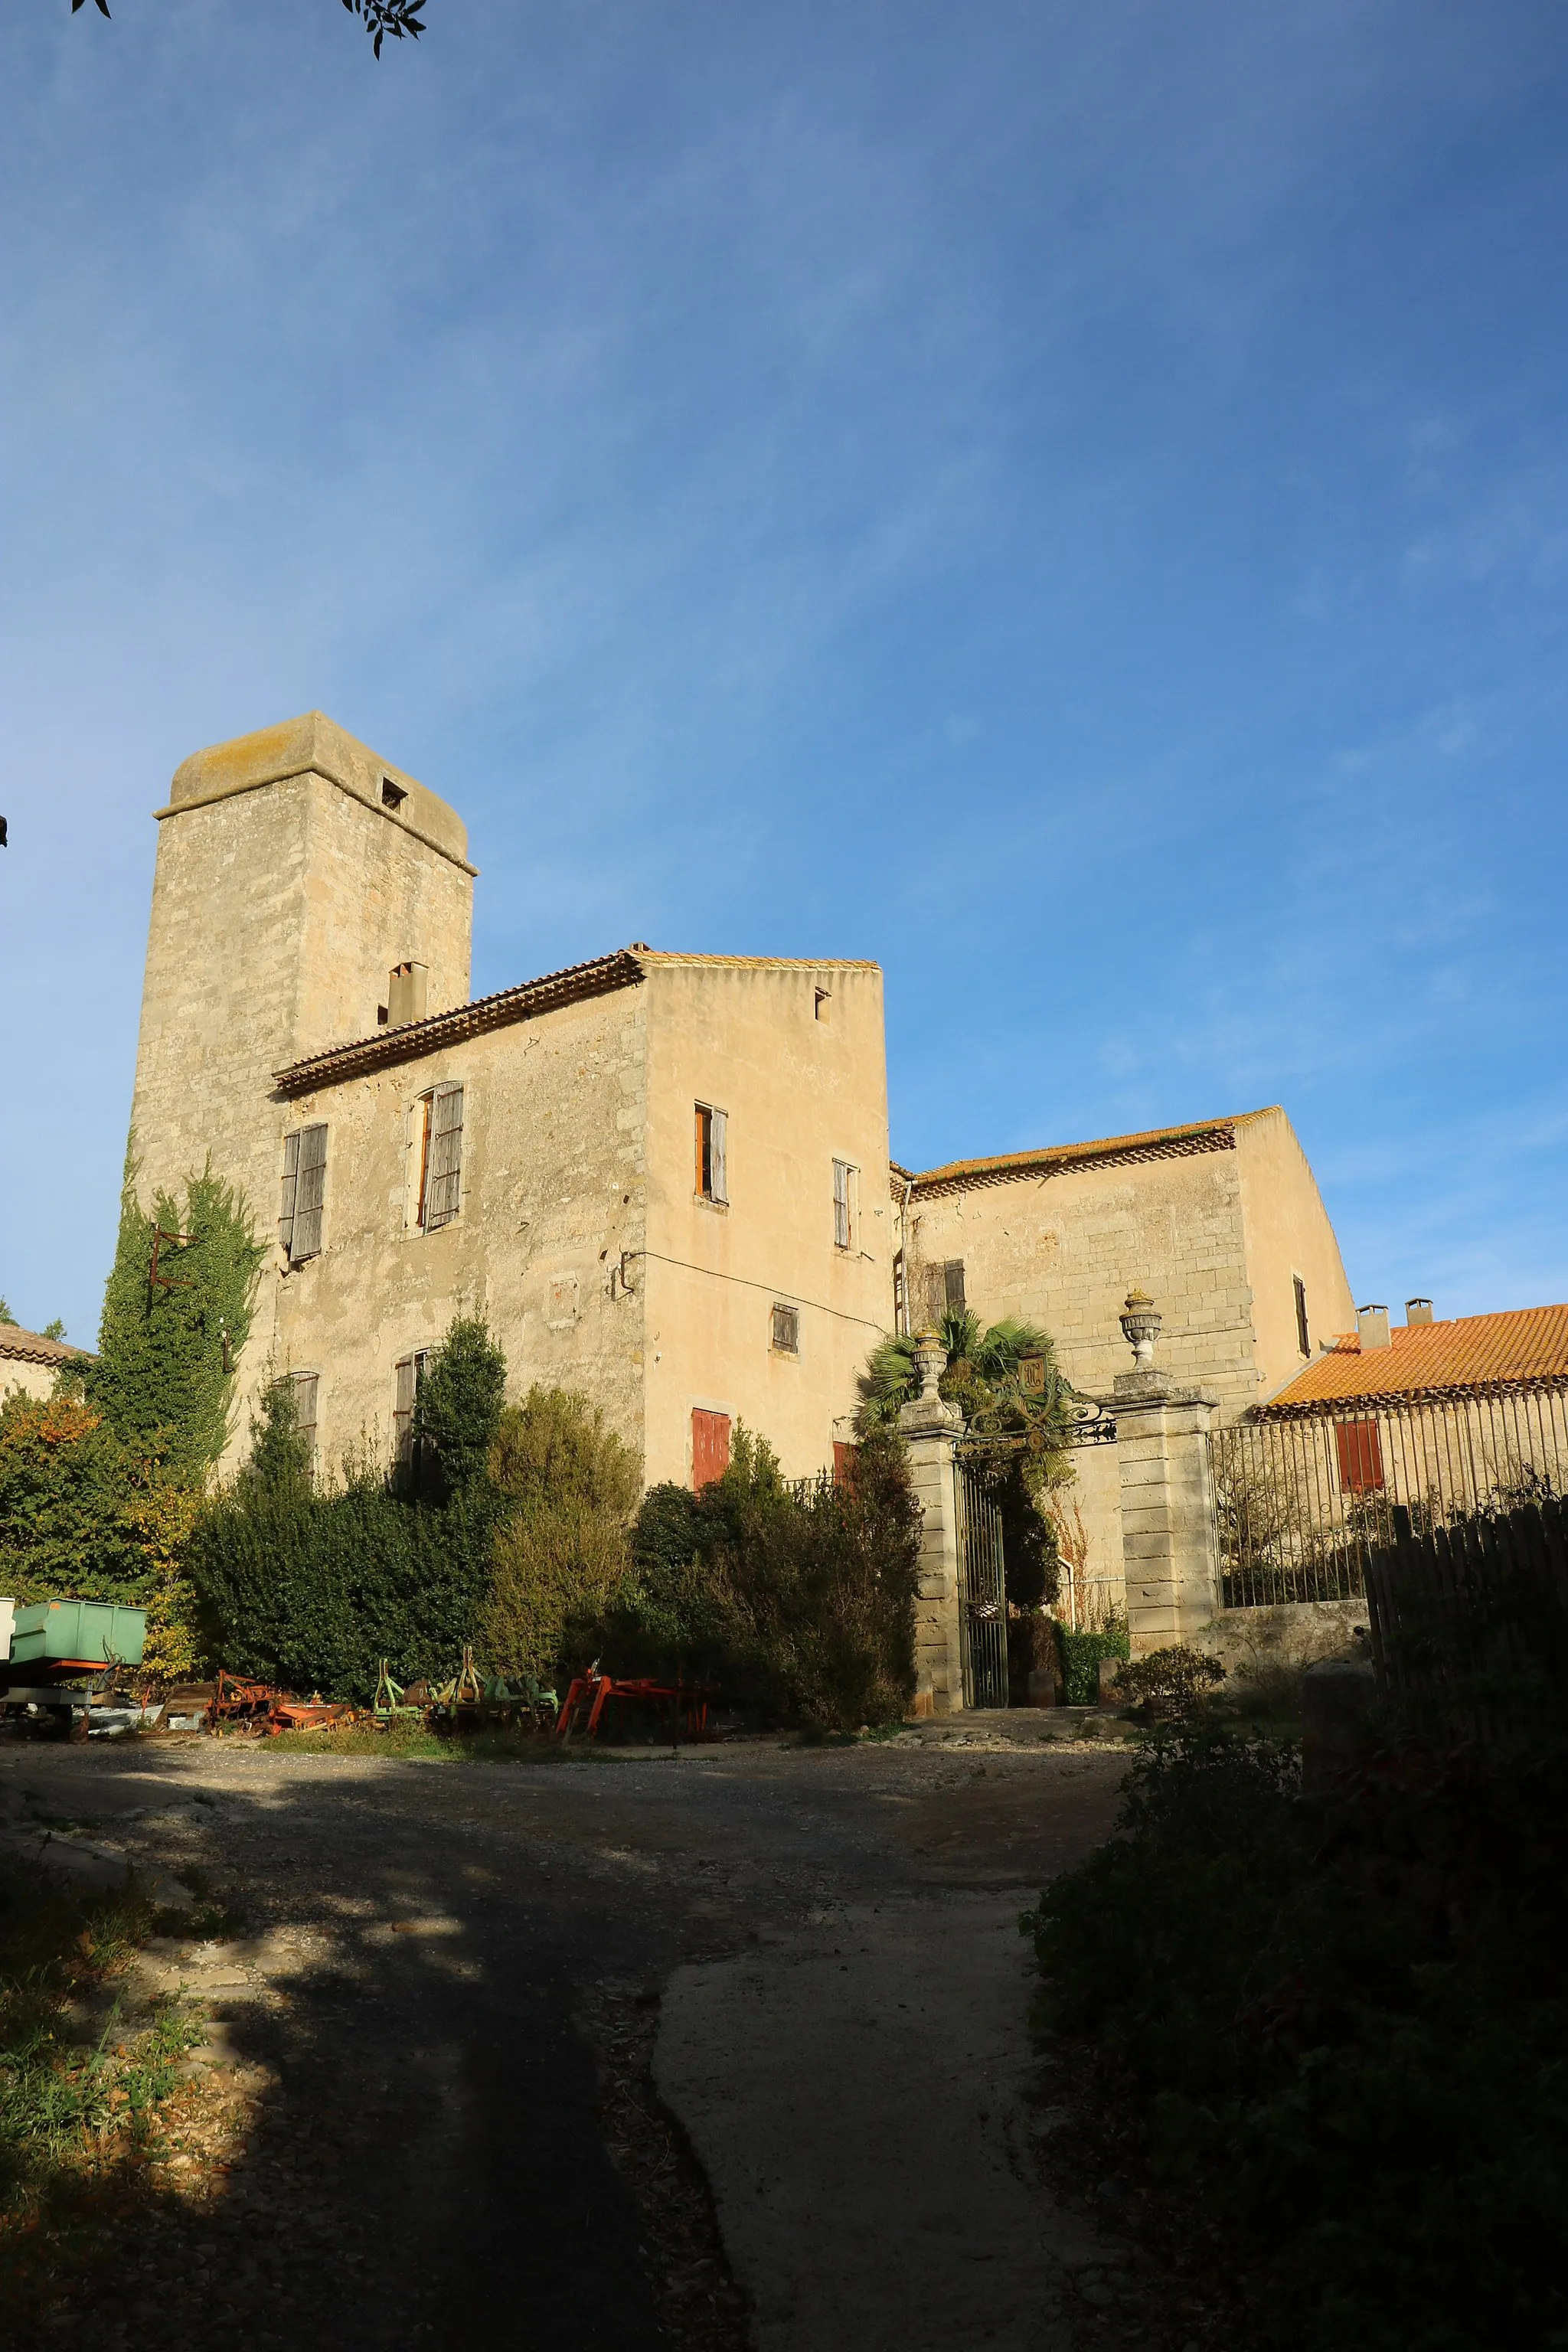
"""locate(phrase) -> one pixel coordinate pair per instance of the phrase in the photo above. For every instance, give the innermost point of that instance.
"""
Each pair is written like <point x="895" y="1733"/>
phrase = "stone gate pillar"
<point x="1167" y="1508"/>
<point x="1167" y="1493"/>
<point x="930" y="1431"/>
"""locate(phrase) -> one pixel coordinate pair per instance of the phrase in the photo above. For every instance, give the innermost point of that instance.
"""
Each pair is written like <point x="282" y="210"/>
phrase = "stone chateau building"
<point x="664" y="1178"/>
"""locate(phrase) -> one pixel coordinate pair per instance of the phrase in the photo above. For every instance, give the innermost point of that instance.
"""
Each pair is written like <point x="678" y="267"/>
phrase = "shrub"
<point x="799" y="1607"/>
<point x="1081" y="1649"/>
<point x="1337" y="2033"/>
<point x="458" y="1409"/>
<point x="568" y="1486"/>
<point x="65" y="1480"/>
<point x="1170" y="1685"/>
<point x="312" y="1585"/>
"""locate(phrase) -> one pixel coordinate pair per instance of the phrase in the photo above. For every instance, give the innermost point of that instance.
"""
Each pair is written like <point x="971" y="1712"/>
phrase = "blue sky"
<point x="1071" y="502"/>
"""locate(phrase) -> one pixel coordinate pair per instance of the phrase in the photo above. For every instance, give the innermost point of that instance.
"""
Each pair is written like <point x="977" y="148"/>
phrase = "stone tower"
<point x="296" y="872"/>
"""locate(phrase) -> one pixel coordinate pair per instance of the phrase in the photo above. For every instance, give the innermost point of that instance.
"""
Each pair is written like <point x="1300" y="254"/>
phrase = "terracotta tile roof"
<point x="623" y="969"/>
<point x="1153" y="1143"/>
<point x="600" y="977"/>
<point x="1527" y="1347"/>
<point x="32" y="1348"/>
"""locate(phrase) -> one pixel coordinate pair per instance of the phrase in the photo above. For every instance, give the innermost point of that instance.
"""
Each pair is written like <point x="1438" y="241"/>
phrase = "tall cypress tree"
<point x="169" y="1339"/>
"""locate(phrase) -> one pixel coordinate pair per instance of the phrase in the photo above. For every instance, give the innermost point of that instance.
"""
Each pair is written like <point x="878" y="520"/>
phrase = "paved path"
<point x="422" y="1940"/>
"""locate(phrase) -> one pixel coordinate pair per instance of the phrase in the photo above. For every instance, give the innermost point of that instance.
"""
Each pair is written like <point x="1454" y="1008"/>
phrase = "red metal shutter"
<point x="710" y="1447"/>
<point x="1360" y="1449"/>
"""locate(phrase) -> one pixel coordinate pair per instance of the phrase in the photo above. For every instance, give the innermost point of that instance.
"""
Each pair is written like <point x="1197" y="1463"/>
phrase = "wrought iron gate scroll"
<point x="982" y="1589"/>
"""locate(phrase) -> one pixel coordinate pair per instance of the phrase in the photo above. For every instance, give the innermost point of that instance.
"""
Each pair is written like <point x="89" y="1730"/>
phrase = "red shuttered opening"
<point x="710" y="1447"/>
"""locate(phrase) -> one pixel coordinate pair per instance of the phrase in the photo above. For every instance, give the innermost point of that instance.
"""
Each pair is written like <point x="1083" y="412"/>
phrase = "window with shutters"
<point x="712" y="1135"/>
<point x="1360" y="1448"/>
<point x="709" y="1446"/>
<point x="409" y="1378"/>
<point x="943" y="1287"/>
<point x="846" y="1205"/>
<point x="440" y="1158"/>
<point x="1303" y="1336"/>
<point x="786" y="1330"/>
<point x="304" y="1193"/>
<point x="306" y="1386"/>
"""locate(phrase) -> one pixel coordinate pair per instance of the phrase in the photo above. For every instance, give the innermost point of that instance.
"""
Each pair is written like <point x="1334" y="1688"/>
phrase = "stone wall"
<point x="553" y="1209"/>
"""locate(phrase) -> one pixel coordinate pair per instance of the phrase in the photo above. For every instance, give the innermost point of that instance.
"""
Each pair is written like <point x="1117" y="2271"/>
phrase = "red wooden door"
<point x="710" y="1447"/>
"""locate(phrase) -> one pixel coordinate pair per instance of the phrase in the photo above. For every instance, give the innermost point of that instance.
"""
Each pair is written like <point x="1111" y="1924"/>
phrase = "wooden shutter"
<point x="443" y="1174"/>
<point x="845" y="1458"/>
<point x="786" y="1330"/>
<point x="311" y="1193"/>
<point x="306" y="1385"/>
<point x="403" y="1409"/>
<point x="1303" y="1336"/>
<point x="841" y="1204"/>
<point x="710" y="1447"/>
<point x="1359" y="1448"/>
<point x="719" y="1175"/>
<point x="704" y="1163"/>
<point x="952" y="1284"/>
<point x="290" y="1186"/>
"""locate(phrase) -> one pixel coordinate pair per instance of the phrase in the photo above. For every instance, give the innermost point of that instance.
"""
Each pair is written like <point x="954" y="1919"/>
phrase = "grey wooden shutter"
<point x="311" y="1193"/>
<point x="403" y="1410"/>
<point x="841" y="1204"/>
<point x="953" y="1283"/>
<point x="290" y="1185"/>
<point x="444" y="1172"/>
<point x="305" y="1388"/>
<point x="719" y="1157"/>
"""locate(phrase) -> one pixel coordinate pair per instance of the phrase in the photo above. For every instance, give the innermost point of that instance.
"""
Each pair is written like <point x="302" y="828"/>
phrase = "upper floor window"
<point x="786" y="1330"/>
<point x="846" y="1205"/>
<point x="1303" y="1336"/>
<point x="304" y="1193"/>
<point x="713" y="1142"/>
<point x="943" y="1287"/>
<point x="440" y="1142"/>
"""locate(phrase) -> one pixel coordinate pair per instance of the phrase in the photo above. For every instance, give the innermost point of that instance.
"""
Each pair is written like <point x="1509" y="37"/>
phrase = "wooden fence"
<point x="1469" y="1624"/>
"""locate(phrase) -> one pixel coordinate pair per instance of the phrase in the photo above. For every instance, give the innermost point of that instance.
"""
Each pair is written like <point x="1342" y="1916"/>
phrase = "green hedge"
<point x="1081" y="1652"/>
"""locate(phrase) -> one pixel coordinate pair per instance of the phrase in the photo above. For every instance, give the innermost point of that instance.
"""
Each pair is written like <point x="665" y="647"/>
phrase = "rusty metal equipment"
<point x="240" y="1704"/>
<point x="593" y="1694"/>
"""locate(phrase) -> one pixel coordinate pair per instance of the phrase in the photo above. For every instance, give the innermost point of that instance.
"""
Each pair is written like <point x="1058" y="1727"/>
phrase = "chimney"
<point x="406" y="984"/>
<point x="1371" y="1327"/>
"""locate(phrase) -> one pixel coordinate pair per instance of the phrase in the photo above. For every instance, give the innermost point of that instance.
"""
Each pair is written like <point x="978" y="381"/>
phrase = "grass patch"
<point x="79" y="2099"/>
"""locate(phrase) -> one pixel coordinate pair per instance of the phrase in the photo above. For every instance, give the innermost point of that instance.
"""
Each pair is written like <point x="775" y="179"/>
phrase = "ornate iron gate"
<point x="982" y="1589"/>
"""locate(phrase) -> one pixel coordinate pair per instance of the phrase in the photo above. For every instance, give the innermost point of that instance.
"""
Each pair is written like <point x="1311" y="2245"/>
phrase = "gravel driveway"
<point x="450" y="1970"/>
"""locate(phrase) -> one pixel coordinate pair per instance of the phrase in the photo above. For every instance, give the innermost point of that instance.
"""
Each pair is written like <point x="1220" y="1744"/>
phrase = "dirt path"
<point x="447" y="1969"/>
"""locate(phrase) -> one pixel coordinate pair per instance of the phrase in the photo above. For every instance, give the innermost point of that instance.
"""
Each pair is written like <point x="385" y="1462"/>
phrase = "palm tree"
<point x="985" y="1378"/>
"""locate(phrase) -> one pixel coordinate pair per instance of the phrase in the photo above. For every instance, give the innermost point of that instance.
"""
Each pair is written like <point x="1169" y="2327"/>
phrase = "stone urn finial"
<point x="1140" y="1322"/>
<point x="931" y="1362"/>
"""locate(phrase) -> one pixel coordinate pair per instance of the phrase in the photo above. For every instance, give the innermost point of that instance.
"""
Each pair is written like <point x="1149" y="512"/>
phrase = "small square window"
<point x="786" y="1330"/>
<point x="392" y="795"/>
<point x="824" y="1004"/>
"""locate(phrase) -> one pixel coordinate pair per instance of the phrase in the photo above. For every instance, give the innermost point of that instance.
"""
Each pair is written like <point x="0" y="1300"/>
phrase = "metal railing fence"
<point x="1299" y="1503"/>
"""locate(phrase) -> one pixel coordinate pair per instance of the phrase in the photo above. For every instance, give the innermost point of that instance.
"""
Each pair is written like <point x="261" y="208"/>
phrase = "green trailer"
<point x="78" y="1634"/>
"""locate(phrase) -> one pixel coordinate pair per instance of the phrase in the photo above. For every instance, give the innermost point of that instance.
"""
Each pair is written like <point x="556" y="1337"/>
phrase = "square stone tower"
<point x="296" y="871"/>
